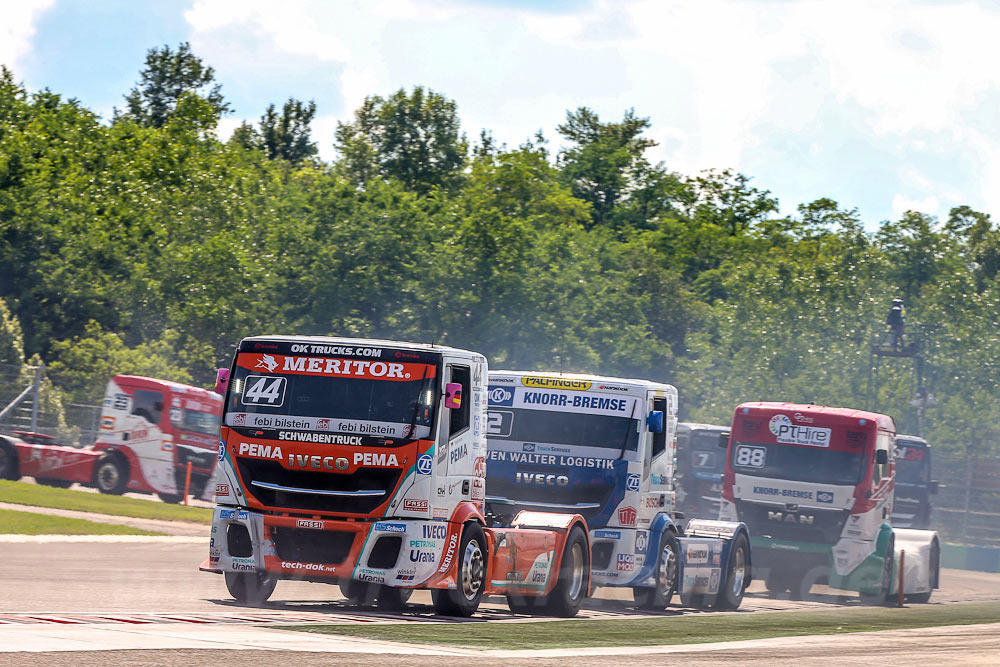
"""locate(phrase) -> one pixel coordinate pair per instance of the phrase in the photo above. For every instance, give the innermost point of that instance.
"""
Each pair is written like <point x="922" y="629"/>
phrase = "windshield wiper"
<point x="628" y="431"/>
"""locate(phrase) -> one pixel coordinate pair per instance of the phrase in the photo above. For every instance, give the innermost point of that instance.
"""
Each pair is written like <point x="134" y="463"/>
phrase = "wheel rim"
<point x="472" y="569"/>
<point x="576" y="571"/>
<point x="109" y="476"/>
<point x="668" y="571"/>
<point x="739" y="571"/>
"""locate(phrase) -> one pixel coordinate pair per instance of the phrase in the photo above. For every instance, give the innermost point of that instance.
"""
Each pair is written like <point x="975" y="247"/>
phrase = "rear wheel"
<point x="8" y="462"/>
<point x="250" y="587"/>
<point x="57" y="483"/>
<point x="658" y="597"/>
<point x="391" y="598"/>
<point x="571" y="588"/>
<point x="737" y="574"/>
<point x="463" y="600"/>
<point x="776" y="582"/>
<point x="172" y="498"/>
<point x="111" y="475"/>
<point x="359" y="593"/>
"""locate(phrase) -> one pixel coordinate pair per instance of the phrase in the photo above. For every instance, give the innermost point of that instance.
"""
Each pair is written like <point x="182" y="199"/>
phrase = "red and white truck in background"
<point x="363" y="463"/>
<point x="149" y="431"/>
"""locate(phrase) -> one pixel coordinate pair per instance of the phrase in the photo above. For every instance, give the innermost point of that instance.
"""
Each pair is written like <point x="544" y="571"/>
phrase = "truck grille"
<point x="383" y="480"/>
<point x="779" y="523"/>
<point x="542" y="498"/>
<point x="312" y="546"/>
<point x="203" y="459"/>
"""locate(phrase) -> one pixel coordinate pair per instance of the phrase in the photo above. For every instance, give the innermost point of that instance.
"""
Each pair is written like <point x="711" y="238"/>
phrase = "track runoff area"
<point x="98" y="593"/>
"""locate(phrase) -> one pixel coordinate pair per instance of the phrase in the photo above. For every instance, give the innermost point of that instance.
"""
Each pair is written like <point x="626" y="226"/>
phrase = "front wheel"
<point x="737" y="574"/>
<point x="658" y="597"/>
<point x="111" y="475"/>
<point x="572" y="587"/>
<point x="880" y="598"/>
<point x="55" y="483"/>
<point x="463" y="600"/>
<point x="391" y="598"/>
<point x="250" y="587"/>
<point x="8" y="462"/>
<point x="172" y="498"/>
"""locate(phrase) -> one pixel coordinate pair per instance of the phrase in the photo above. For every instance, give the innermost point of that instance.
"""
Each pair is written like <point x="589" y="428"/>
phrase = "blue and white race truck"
<point x="604" y="448"/>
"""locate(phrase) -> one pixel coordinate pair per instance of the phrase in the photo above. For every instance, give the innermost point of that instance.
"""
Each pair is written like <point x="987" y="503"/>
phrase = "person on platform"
<point x="895" y="321"/>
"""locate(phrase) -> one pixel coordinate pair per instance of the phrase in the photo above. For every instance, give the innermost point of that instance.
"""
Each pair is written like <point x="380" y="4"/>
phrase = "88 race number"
<point x="750" y="457"/>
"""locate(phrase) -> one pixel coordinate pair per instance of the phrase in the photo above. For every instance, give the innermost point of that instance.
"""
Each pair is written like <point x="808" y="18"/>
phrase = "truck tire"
<point x="172" y="498"/>
<point x="359" y="593"/>
<point x="571" y="588"/>
<point x="880" y="598"/>
<point x="473" y="564"/>
<point x="776" y="582"/>
<point x="111" y="474"/>
<point x="693" y="600"/>
<point x="658" y="597"/>
<point x="737" y="574"/>
<point x="56" y="483"/>
<point x="811" y="577"/>
<point x="250" y="587"/>
<point x="9" y="464"/>
<point x="391" y="598"/>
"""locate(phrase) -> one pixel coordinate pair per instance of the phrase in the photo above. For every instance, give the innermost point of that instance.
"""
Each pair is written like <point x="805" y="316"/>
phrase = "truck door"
<point x="456" y="446"/>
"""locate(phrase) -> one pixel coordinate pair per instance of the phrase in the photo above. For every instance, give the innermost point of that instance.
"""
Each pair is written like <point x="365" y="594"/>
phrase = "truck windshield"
<point x="199" y="422"/>
<point x="912" y="465"/>
<point x="371" y="398"/>
<point x="572" y="429"/>
<point x="706" y="455"/>
<point x="801" y="464"/>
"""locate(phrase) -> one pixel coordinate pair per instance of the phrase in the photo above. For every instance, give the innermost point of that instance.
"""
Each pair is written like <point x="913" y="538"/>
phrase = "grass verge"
<point x="689" y="629"/>
<point x="13" y="522"/>
<point x="37" y="495"/>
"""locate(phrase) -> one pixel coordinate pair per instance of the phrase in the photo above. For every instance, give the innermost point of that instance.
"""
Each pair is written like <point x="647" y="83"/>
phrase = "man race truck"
<point x="603" y="448"/>
<point x="149" y="431"/>
<point x="363" y="463"/>
<point x="815" y="486"/>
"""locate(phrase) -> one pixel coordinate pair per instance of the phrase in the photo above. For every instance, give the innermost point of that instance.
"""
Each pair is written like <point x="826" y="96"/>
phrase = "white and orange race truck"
<point x="150" y="430"/>
<point x="363" y="463"/>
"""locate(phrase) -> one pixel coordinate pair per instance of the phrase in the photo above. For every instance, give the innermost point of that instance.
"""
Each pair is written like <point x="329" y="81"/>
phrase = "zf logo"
<point x="424" y="462"/>
<point x="632" y="482"/>
<point x="501" y="396"/>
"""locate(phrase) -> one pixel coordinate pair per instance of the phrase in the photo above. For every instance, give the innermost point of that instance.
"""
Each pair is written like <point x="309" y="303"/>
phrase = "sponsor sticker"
<point x="641" y="541"/>
<point x="411" y="505"/>
<point x="222" y="489"/>
<point x="424" y="464"/>
<point x="792" y="434"/>
<point x="387" y="527"/>
<point x="309" y="523"/>
<point x="625" y="563"/>
<point x="607" y="535"/>
<point x="222" y="449"/>
<point x="697" y="553"/>
<point x="632" y="482"/>
<point x="824" y="496"/>
<point x="555" y="383"/>
<point x="627" y="516"/>
<point x="501" y="396"/>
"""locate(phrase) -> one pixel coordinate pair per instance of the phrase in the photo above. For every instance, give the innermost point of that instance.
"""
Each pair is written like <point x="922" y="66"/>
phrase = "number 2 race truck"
<point x="603" y="448"/>
<point x="363" y="463"/>
<point x="149" y="431"/>
<point x="815" y="486"/>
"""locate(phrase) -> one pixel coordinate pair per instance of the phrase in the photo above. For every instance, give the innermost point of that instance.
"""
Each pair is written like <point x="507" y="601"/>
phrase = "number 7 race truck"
<point x="363" y="463"/>
<point x="604" y="449"/>
<point x="149" y="431"/>
<point x="815" y="485"/>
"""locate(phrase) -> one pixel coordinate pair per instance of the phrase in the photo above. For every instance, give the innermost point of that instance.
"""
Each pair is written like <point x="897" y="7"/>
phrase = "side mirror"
<point x="453" y="395"/>
<point x="655" y="421"/>
<point x="724" y="439"/>
<point x="881" y="456"/>
<point x="934" y="486"/>
<point x="221" y="381"/>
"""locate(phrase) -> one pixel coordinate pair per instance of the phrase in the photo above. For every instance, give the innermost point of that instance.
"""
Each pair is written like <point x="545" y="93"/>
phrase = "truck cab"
<point x="700" y="466"/>
<point x="815" y="485"/>
<point x="603" y="448"/>
<point x="914" y="485"/>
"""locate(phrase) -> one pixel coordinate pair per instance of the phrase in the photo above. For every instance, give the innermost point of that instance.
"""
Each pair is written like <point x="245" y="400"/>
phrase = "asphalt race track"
<point x="55" y="587"/>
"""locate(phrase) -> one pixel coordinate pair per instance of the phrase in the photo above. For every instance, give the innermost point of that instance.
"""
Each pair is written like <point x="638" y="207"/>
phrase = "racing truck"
<point x="603" y="448"/>
<point x="362" y="463"/>
<point x="815" y="486"/>
<point x="700" y="464"/>
<point x="914" y="486"/>
<point x="150" y="430"/>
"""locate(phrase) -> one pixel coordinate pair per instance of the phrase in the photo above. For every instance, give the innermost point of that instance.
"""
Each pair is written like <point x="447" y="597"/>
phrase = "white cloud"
<point x="901" y="204"/>
<point x="17" y="28"/>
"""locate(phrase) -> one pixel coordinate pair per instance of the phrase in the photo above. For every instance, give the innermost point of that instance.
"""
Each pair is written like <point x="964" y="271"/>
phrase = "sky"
<point x="882" y="106"/>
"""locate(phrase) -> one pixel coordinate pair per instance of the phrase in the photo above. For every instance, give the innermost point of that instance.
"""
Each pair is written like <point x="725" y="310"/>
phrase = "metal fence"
<point x="30" y="402"/>
<point x="967" y="506"/>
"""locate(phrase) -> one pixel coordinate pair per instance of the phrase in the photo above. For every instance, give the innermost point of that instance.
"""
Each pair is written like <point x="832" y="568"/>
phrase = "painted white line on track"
<point x="167" y="539"/>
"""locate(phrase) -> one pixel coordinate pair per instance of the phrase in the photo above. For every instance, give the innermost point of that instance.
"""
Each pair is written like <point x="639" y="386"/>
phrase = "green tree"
<point x="11" y="338"/>
<point x="285" y="135"/>
<point x="415" y="138"/>
<point x="168" y="75"/>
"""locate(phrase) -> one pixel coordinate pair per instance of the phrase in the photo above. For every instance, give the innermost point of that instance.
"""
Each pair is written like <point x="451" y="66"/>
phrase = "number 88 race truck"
<point x="363" y="463"/>
<point x="604" y="449"/>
